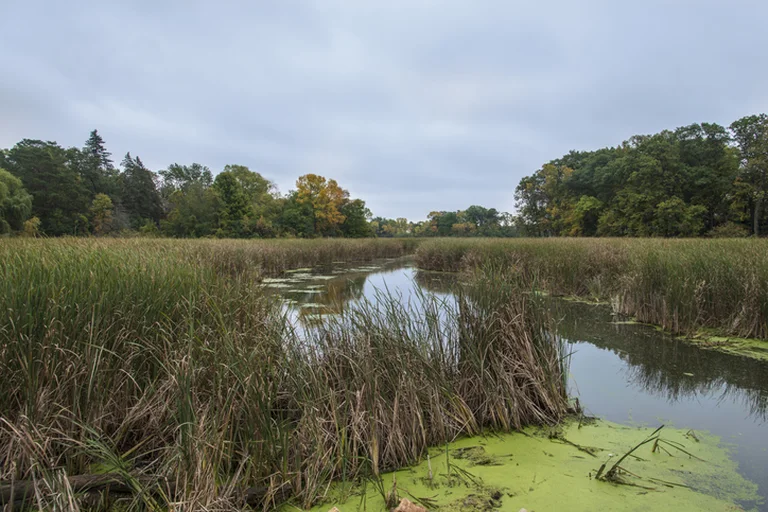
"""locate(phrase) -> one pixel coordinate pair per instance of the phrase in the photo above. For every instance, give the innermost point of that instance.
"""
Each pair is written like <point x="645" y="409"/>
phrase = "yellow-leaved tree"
<point x="325" y="198"/>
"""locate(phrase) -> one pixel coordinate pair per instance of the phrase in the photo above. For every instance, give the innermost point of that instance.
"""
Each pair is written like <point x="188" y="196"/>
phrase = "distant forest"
<point x="696" y="180"/>
<point x="702" y="179"/>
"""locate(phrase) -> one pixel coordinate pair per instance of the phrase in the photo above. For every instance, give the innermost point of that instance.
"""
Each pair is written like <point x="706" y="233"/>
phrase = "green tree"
<point x="751" y="135"/>
<point x="15" y="203"/>
<point x="101" y="214"/>
<point x="356" y="215"/>
<point x="297" y="217"/>
<point x="59" y="197"/>
<point x="140" y="195"/>
<point x="629" y="190"/>
<point x="235" y="206"/>
<point x="194" y="212"/>
<point x="253" y="184"/>
<point x="96" y="148"/>
<point x="585" y="216"/>
<point x="674" y="218"/>
<point x="180" y="177"/>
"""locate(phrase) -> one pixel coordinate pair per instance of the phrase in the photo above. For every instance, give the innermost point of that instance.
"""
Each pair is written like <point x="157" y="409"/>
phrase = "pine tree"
<point x="140" y="196"/>
<point x="96" y="148"/>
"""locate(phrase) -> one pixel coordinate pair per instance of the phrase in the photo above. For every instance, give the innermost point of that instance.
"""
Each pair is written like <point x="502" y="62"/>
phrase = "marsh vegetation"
<point x="685" y="286"/>
<point x="173" y="374"/>
<point x="166" y="366"/>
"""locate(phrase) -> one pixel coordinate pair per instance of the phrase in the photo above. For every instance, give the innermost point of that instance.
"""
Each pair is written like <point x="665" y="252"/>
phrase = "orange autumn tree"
<point x="325" y="199"/>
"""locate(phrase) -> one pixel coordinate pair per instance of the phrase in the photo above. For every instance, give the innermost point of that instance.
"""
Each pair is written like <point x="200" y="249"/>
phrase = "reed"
<point x="163" y="363"/>
<point x="682" y="285"/>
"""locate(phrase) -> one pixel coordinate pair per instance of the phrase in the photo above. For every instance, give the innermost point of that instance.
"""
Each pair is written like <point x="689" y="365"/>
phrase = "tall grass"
<point x="162" y="362"/>
<point x="682" y="285"/>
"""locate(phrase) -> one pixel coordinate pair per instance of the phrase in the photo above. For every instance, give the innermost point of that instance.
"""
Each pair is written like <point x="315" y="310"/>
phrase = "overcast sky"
<point x="412" y="105"/>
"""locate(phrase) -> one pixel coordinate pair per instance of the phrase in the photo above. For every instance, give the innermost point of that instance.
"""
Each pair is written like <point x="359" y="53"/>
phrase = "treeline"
<point x="474" y="221"/>
<point x="695" y="180"/>
<point x="46" y="189"/>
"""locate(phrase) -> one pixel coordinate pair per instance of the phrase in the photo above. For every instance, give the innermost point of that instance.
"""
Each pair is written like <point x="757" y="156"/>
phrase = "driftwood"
<point x="22" y="492"/>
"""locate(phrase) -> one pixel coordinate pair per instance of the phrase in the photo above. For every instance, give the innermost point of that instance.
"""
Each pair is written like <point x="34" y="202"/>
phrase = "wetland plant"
<point x="160" y="371"/>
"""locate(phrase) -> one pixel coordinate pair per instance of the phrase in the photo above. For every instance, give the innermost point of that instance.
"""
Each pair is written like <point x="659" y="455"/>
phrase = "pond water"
<point x="623" y="372"/>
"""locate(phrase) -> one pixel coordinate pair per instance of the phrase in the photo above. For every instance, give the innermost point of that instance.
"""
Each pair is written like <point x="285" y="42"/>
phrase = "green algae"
<point x="554" y="469"/>
<point x="748" y="347"/>
<point x="709" y="339"/>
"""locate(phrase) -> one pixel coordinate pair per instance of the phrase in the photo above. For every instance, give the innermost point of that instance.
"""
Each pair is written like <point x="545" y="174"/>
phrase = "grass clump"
<point x="684" y="286"/>
<point x="163" y="365"/>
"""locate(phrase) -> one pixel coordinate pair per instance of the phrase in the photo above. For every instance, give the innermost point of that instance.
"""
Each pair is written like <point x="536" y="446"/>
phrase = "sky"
<point x="411" y="105"/>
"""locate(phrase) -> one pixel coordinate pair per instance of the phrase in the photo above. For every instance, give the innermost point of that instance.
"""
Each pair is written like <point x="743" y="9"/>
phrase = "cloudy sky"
<point x="413" y="105"/>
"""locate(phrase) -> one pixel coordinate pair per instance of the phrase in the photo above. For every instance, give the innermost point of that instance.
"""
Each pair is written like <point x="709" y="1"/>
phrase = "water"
<point x="625" y="373"/>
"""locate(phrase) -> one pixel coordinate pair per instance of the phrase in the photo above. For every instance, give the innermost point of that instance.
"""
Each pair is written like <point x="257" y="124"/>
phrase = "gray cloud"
<point x="414" y="105"/>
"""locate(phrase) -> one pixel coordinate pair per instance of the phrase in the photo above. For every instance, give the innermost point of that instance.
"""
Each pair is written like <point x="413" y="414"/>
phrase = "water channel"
<point x="620" y="371"/>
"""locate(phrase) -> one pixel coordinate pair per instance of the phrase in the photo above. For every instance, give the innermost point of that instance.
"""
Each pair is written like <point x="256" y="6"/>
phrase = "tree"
<point x="585" y="216"/>
<point x="101" y="214"/>
<point x="235" y="205"/>
<point x="140" y="196"/>
<point x="194" y="212"/>
<point x="297" y="218"/>
<point x="751" y="135"/>
<point x="356" y="215"/>
<point x="630" y="190"/>
<point x="253" y="184"/>
<point x="96" y="148"/>
<point x="674" y="218"/>
<point x="31" y="228"/>
<point x="94" y="165"/>
<point x="180" y="177"/>
<point x="59" y="196"/>
<point x="543" y="199"/>
<point x="325" y="199"/>
<point x="15" y="203"/>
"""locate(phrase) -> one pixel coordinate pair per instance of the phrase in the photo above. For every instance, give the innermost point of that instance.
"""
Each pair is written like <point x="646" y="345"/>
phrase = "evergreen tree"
<point x="96" y="148"/>
<point x="138" y="190"/>
<point x="60" y="199"/>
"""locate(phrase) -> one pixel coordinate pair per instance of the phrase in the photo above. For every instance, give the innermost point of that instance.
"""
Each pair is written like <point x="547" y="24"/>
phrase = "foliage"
<point x="50" y="173"/>
<point x="193" y="211"/>
<point x="101" y="214"/>
<point x="474" y="221"/>
<point x="677" y="183"/>
<point x="31" y="228"/>
<point x="751" y="134"/>
<point x="139" y="192"/>
<point x="324" y="199"/>
<point x="729" y="230"/>
<point x="674" y="183"/>
<point x="15" y="203"/>
<point x="356" y="223"/>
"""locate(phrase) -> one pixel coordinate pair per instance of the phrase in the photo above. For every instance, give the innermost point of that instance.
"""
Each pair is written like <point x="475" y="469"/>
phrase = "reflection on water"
<point x="621" y="372"/>
<point x="662" y="365"/>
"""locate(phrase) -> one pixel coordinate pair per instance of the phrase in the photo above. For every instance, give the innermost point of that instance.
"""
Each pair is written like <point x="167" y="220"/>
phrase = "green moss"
<point x="545" y="469"/>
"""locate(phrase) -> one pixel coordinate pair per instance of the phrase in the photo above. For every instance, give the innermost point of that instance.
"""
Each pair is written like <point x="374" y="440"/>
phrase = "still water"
<point x="625" y="373"/>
